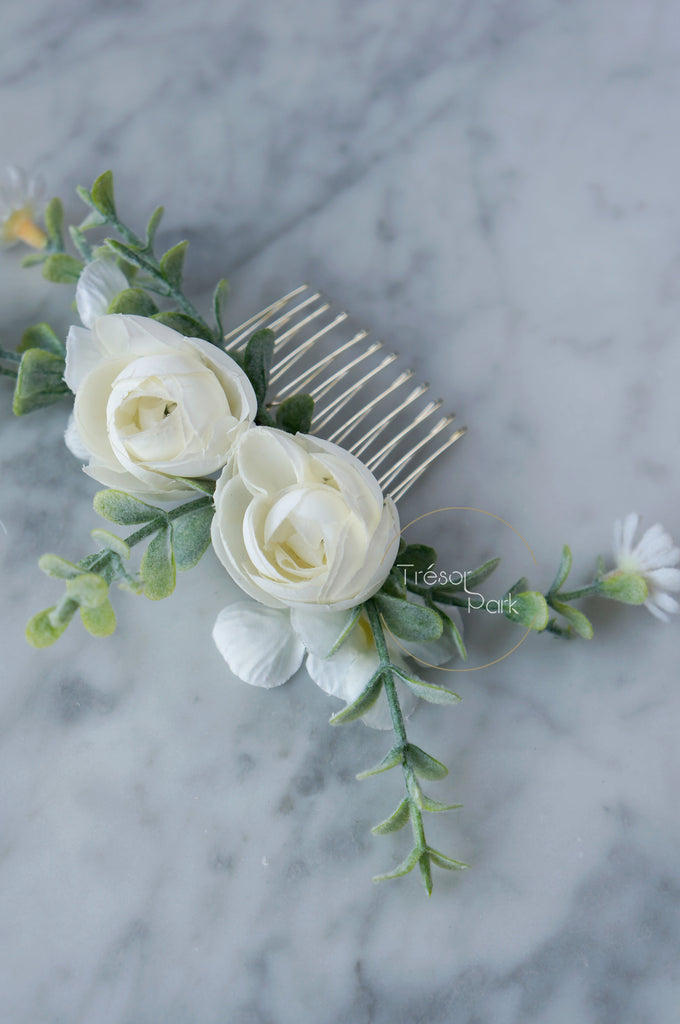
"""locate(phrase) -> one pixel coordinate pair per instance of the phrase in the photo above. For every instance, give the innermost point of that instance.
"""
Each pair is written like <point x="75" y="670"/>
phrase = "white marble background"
<point x="494" y="187"/>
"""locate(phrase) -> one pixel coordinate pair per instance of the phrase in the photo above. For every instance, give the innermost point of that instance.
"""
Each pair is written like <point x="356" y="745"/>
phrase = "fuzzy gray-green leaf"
<point x="152" y="226"/>
<point x="191" y="537"/>
<point x="41" y="336"/>
<point x="119" y="507"/>
<point x="157" y="570"/>
<point x="425" y="765"/>
<point x="39" y="381"/>
<point x="396" y="820"/>
<point x="406" y="865"/>
<point x="427" y="691"/>
<point x="185" y="325"/>
<point x="563" y="570"/>
<point x="99" y="621"/>
<point x="172" y="263"/>
<point x="257" y="362"/>
<point x="576" y="619"/>
<point x="294" y="415"/>
<point x="392" y="758"/>
<point x="102" y="195"/>
<point x="60" y="268"/>
<point x="363" y="703"/>
<point x="220" y="296"/>
<point x="409" y="621"/>
<point x="54" y="222"/>
<point x="40" y="631"/>
<point x="134" y="301"/>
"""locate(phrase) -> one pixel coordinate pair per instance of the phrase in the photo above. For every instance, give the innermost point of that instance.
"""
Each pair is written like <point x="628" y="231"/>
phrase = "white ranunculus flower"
<point x="300" y="522"/>
<point x="152" y="405"/>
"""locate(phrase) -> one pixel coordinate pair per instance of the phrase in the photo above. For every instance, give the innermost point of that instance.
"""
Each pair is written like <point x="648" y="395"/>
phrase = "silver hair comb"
<point x="318" y="352"/>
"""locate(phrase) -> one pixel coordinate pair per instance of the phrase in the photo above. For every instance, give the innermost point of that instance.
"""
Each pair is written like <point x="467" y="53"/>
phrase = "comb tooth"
<point x="308" y="375"/>
<point x="362" y="443"/>
<point x="382" y="454"/>
<point x="283" y="338"/>
<point x="394" y="471"/>
<point x="322" y="389"/>
<point x="342" y="432"/>
<point x="292" y="357"/>
<point x="341" y="401"/>
<point x="252" y="324"/>
<point x="415" y="475"/>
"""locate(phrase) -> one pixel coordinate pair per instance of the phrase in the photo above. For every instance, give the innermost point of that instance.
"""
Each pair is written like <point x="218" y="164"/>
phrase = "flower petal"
<point x="97" y="287"/>
<point x="258" y="643"/>
<point x="319" y="629"/>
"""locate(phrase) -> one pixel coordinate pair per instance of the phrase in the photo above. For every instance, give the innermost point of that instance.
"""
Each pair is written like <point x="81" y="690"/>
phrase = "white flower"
<point x="652" y="558"/>
<point x="266" y="646"/>
<point x="300" y="522"/>
<point x="152" y="405"/>
<point x="20" y="205"/>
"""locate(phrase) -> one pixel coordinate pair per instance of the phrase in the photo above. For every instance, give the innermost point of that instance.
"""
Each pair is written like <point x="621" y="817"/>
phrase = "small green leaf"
<point x="152" y="226"/>
<point x="99" y="621"/>
<point x="426" y="691"/>
<point x="111" y="542"/>
<point x="428" y="804"/>
<point x="54" y="222"/>
<point x="58" y="568"/>
<point x="576" y="619"/>
<point x="407" y="620"/>
<point x="185" y="325"/>
<point x="130" y="255"/>
<point x="403" y="869"/>
<point x="425" y="871"/>
<point x="442" y="861"/>
<point x="470" y="579"/>
<point x="351" y="623"/>
<point x="425" y="765"/>
<point x="257" y="362"/>
<point x="34" y="258"/>
<point x="81" y="243"/>
<point x="391" y="759"/>
<point x="416" y="558"/>
<point x="62" y="268"/>
<point x="94" y="219"/>
<point x="220" y="296"/>
<point x="172" y="263"/>
<point x="363" y="703"/>
<point x="528" y="609"/>
<point x="451" y="630"/>
<point x="40" y="632"/>
<point x="157" y="570"/>
<point x="119" y="507"/>
<point x="203" y="484"/>
<point x="519" y="585"/>
<point x="191" y="537"/>
<point x="563" y="570"/>
<point x="88" y="590"/>
<point x="294" y="415"/>
<point x="41" y="336"/>
<point x="627" y="587"/>
<point x="396" y="820"/>
<point x="134" y="301"/>
<point x="39" y="382"/>
<point x="102" y="195"/>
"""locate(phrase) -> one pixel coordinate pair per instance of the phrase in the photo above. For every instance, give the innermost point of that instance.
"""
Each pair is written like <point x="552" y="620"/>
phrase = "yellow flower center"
<point x="21" y="226"/>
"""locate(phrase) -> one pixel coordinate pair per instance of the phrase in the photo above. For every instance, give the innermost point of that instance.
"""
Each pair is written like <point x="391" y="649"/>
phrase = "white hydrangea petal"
<point x="319" y="629"/>
<point x="97" y="287"/>
<point x="258" y="643"/>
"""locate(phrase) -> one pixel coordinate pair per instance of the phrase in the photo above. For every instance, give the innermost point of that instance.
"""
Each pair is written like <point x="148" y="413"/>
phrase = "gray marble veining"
<point x="492" y="188"/>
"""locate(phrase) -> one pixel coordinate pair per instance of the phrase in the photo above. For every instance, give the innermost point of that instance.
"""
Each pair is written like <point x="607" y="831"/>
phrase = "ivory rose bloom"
<point x="300" y="522"/>
<point x="152" y="405"/>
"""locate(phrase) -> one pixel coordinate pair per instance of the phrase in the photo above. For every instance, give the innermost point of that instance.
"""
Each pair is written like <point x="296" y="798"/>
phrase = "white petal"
<point x="97" y="286"/>
<point x="320" y="629"/>
<point x="630" y="524"/>
<point x="666" y="578"/>
<point x="258" y="643"/>
<point x="74" y="442"/>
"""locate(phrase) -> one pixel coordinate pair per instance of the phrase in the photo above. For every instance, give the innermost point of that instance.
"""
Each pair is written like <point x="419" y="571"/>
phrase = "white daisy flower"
<point x="21" y="203"/>
<point x="266" y="646"/>
<point x="652" y="558"/>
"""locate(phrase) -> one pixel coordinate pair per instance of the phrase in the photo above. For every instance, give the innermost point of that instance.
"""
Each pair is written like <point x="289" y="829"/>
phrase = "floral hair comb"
<point x="285" y="445"/>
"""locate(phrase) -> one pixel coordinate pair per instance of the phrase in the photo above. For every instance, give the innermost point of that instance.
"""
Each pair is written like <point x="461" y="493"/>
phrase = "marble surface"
<point x="492" y="188"/>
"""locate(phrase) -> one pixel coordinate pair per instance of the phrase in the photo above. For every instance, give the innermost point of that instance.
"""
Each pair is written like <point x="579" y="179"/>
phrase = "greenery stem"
<point x="573" y="595"/>
<point x="12" y="357"/>
<point x="8" y="373"/>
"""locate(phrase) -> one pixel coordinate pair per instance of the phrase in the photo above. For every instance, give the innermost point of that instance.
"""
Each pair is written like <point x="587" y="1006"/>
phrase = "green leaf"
<point x="54" y="222"/>
<point x="294" y="415"/>
<point x="576" y="619"/>
<point x="451" y="630"/>
<point x="426" y="691"/>
<point x="158" y="566"/>
<point x="257" y="362"/>
<point x="122" y="508"/>
<point x="40" y="631"/>
<point x="203" y="484"/>
<point x="172" y="263"/>
<point x="39" y="382"/>
<point x="94" y="219"/>
<point x="521" y="584"/>
<point x="396" y="820"/>
<point x="152" y="226"/>
<point x="391" y="759"/>
<point x="88" y="590"/>
<point x="58" y="568"/>
<point x="425" y="871"/>
<point x="34" y="258"/>
<point x="191" y="537"/>
<point x="130" y="255"/>
<point x="41" y="336"/>
<point x="528" y="609"/>
<point x="185" y="325"/>
<point x="363" y="703"/>
<point x="442" y="861"/>
<point x="102" y="195"/>
<point x="415" y="558"/>
<point x="61" y="268"/>
<point x="428" y="804"/>
<point x="353" y="619"/>
<point x="409" y="621"/>
<point x="627" y="587"/>
<point x="81" y="243"/>
<point x="220" y="296"/>
<point x="563" y="570"/>
<point x="470" y="579"/>
<point x="99" y="621"/>
<point x="111" y="542"/>
<point x="403" y="869"/>
<point x="424" y="765"/>
<point x="134" y="301"/>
